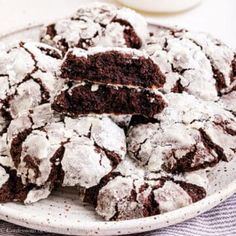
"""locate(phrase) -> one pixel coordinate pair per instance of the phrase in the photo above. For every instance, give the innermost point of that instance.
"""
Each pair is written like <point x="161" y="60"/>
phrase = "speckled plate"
<point x="63" y="213"/>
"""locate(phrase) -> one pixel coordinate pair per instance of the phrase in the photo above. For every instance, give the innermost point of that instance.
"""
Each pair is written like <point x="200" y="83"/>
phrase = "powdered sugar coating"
<point x="29" y="77"/>
<point x="193" y="62"/>
<point x="171" y="197"/>
<point x="3" y="176"/>
<point x="97" y="24"/>
<point x="190" y="134"/>
<point x="97" y="149"/>
<point x="128" y="197"/>
<point x="228" y="101"/>
<point x="80" y="151"/>
<point x="12" y="189"/>
<point x="113" y="199"/>
<point x="131" y="168"/>
<point x="220" y="55"/>
<point x="37" y="194"/>
<point x="28" y="143"/>
<point x="185" y="66"/>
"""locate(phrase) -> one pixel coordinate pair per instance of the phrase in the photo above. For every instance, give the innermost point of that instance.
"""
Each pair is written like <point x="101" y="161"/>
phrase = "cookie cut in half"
<point x="112" y="80"/>
<point x="115" y="66"/>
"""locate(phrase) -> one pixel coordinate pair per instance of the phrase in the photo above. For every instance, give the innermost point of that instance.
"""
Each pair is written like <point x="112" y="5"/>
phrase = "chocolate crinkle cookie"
<point x="130" y="192"/>
<point x="125" y="198"/>
<point x="28" y="78"/>
<point x="13" y="190"/>
<point x="97" y="24"/>
<point x="110" y="81"/>
<point x="189" y="134"/>
<point x="46" y="148"/>
<point x="11" y="186"/>
<point x="195" y="63"/>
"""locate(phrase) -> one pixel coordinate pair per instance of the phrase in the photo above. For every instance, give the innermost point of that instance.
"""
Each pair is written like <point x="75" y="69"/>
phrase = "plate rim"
<point x="115" y="227"/>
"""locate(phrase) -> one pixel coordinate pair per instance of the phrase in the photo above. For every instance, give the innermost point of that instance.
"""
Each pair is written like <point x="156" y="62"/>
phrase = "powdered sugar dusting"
<point x="83" y="146"/>
<point x="188" y="129"/>
<point x="98" y="24"/>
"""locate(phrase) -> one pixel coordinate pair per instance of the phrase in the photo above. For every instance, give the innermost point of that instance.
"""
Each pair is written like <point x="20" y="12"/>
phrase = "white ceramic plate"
<point x="63" y="213"/>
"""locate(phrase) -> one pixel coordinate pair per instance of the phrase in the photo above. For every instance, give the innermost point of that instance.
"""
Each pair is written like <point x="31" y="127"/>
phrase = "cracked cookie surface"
<point x="98" y="24"/>
<point x="194" y="62"/>
<point x="130" y="192"/>
<point x="47" y="148"/>
<point x="189" y="134"/>
<point x="13" y="190"/>
<point x="28" y="78"/>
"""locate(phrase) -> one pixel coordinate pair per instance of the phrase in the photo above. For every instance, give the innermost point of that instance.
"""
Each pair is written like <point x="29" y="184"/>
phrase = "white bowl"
<point x="164" y="6"/>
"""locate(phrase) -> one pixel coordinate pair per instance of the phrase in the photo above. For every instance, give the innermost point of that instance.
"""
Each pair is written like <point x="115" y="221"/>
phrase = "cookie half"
<point x="89" y="98"/>
<point x="115" y="66"/>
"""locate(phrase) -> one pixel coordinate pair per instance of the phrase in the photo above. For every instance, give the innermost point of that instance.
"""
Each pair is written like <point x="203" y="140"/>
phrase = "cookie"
<point x="47" y="148"/>
<point x="112" y="80"/>
<point x="193" y="62"/>
<point x="189" y="134"/>
<point x="97" y="24"/>
<point x="13" y="190"/>
<point x="28" y="78"/>
<point x="125" y="198"/>
<point x="132" y="192"/>
<point x="222" y="58"/>
<point x="87" y="98"/>
<point x="117" y="66"/>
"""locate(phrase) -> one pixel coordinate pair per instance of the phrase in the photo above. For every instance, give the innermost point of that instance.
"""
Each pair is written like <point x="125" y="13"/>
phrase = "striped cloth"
<point x="220" y="221"/>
